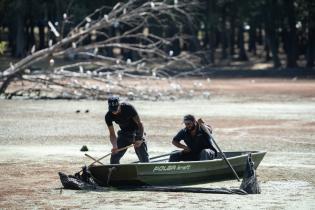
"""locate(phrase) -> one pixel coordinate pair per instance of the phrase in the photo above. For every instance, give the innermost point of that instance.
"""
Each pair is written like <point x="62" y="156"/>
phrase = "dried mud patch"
<point x="40" y="138"/>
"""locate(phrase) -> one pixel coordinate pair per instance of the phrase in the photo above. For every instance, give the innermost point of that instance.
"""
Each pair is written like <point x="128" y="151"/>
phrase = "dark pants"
<point x="125" y="139"/>
<point x="205" y="154"/>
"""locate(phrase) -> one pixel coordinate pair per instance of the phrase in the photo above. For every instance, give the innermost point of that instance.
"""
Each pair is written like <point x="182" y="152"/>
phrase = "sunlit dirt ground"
<point x="40" y="138"/>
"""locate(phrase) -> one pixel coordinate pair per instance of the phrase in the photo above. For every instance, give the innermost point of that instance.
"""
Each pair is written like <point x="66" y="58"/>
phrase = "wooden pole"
<point x="89" y="156"/>
<point x="99" y="160"/>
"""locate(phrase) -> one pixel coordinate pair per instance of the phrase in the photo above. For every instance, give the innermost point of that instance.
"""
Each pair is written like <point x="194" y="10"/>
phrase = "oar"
<point x="159" y="156"/>
<point x="99" y="160"/>
<point x="89" y="156"/>
<point x="203" y="127"/>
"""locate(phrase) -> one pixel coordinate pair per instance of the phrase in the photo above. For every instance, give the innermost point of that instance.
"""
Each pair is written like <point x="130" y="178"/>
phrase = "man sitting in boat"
<point x="198" y="144"/>
<point x="131" y="130"/>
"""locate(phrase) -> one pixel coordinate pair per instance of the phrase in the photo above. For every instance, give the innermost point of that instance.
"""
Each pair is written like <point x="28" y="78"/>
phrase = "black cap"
<point x="189" y="118"/>
<point x="113" y="103"/>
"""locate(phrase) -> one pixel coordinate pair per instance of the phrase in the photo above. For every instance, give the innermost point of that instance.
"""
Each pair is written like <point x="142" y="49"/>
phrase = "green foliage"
<point x="3" y="47"/>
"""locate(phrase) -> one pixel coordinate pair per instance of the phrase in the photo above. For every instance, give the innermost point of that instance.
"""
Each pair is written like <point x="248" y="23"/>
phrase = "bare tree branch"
<point x="126" y="27"/>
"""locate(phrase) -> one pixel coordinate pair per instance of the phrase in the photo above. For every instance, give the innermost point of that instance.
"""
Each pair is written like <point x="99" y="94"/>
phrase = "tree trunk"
<point x="175" y="45"/>
<point x="223" y="35"/>
<point x="41" y="29"/>
<point x="270" y="9"/>
<point x="252" y="38"/>
<point x="260" y="35"/>
<point x="242" y="53"/>
<point x="271" y="42"/>
<point x="193" y="42"/>
<point x="30" y="36"/>
<point x="20" y="30"/>
<point x="211" y="29"/>
<point x="12" y="43"/>
<point x="232" y="36"/>
<point x="267" y="50"/>
<point x="310" y="48"/>
<point x="310" y="55"/>
<point x="291" y="35"/>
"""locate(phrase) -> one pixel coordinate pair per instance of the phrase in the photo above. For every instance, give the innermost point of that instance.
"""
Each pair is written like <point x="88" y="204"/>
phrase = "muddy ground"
<point x="40" y="138"/>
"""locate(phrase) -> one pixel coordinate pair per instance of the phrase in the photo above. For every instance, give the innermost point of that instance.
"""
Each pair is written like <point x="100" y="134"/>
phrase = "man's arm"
<point x="137" y="120"/>
<point x="113" y="138"/>
<point x="178" y="138"/>
<point x="180" y="145"/>
<point x="140" y="125"/>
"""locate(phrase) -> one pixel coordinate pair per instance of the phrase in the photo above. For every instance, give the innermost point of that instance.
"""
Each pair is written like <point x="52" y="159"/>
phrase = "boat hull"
<point x="175" y="173"/>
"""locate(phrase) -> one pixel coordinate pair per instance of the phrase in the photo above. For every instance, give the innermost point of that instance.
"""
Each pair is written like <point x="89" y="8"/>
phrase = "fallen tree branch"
<point x="127" y="27"/>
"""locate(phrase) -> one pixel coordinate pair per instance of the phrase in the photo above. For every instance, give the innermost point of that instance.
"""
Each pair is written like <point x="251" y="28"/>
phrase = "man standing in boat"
<point x="198" y="144"/>
<point x="131" y="130"/>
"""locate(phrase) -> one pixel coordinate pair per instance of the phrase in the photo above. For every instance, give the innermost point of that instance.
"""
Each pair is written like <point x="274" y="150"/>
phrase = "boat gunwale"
<point x="184" y="162"/>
